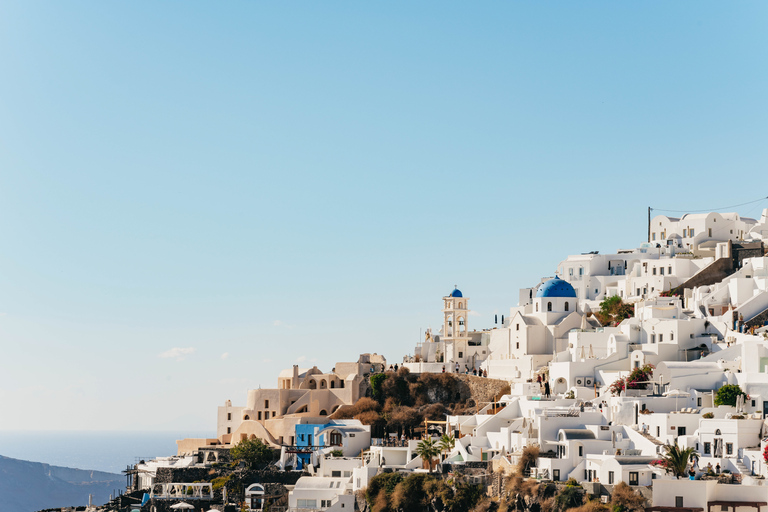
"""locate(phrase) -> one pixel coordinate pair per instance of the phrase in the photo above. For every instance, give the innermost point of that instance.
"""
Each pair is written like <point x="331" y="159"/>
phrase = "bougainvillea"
<point x="638" y="379"/>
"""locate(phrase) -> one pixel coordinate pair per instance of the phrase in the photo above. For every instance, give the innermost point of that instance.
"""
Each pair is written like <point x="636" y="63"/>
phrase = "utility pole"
<point x="649" y="224"/>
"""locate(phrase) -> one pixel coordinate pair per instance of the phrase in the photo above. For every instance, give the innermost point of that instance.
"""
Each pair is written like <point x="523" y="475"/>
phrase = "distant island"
<point x="29" y="486"/>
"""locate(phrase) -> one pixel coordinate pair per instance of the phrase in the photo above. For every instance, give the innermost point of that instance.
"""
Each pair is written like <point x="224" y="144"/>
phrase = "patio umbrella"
<point x="676" y="393"/>
<point x="591" y="352"/>
<point x="183" y="506"/>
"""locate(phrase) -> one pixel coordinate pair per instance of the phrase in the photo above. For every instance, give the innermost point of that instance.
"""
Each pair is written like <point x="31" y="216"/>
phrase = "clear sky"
<point x="195" y="195"/>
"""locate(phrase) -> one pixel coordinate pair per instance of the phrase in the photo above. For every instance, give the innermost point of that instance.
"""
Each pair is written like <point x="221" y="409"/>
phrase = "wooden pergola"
<point x="674" y="509"/>
<point x="733" y="504"/>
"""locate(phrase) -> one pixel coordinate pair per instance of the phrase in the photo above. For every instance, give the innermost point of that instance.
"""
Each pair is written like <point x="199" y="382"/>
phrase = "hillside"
<point x="29" y="486"/>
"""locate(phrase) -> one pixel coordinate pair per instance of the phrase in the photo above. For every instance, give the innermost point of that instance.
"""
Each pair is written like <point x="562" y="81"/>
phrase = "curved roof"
<point x="556" y="288"/>
<point x="456" y="293"/>
<point x="578" y="433"/>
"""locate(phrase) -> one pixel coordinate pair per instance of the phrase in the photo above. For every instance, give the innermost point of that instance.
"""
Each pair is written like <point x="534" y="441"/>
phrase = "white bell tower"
<point x="455" y="327"/>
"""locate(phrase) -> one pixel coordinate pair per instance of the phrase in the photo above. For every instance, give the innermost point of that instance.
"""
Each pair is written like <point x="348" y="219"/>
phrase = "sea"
<point x="110" y="451"/>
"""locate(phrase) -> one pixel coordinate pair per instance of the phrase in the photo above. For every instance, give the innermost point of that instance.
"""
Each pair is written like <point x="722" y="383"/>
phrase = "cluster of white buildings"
<point x="699" y="288"/>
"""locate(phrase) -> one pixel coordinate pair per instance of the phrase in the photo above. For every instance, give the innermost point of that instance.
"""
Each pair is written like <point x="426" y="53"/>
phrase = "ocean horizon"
<point x="110" y="451"/>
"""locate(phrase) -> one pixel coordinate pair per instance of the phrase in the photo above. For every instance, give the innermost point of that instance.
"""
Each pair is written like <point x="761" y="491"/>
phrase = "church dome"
<point x="457" y="293"/>
<point x="556" y="288"/>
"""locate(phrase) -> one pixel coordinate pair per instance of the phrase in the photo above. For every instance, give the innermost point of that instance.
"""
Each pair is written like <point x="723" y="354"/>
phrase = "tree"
<point x="252" y="451"/>
<point x="446" y="443"/>
<point x="676" y="459"/>
<point x="613" y="309"/>
<point x="728" y="394"/>
<point x="376" y="381"/>
<point x="380" y="489"/>
<point x="428" y="450"/>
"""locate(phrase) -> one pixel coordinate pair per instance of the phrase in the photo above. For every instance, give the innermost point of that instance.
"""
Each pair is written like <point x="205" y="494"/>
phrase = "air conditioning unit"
<point x="604" y="498"/>
<point x="588" y="381"/>
<point x="579" y="381"/>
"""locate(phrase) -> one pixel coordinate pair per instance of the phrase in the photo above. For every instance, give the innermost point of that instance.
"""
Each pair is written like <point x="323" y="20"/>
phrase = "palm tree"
<point x="428" y="450"/>
<point x="446" y="443"/>
<point x="677" y="458"/>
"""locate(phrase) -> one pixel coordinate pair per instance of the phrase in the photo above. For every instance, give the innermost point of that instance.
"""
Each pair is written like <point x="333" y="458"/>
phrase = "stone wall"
<point x="483" y="390"/>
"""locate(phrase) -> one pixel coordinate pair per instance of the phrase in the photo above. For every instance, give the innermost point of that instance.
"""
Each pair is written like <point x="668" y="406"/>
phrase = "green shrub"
<point x="728" y="394"/>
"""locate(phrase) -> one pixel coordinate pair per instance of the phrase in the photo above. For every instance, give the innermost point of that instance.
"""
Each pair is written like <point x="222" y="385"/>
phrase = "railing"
<point x="182" y="491"/>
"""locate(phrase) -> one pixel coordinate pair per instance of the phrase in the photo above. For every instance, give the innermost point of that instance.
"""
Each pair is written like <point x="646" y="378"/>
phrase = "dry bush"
<point x="366" y="404"/>
<point x="485" y="505"/>
<point x="434" y="412"/>
<point x="368" y="417"/>
<point x="591" y="506"/>
<point x="547" y="505"/>
<point x="405" y="417"/>
<point x="382" y="503"/>
<point x="625" y="498"/>
<point x="527" y="459"/>
<point x="504" y="391"/>
<point x="345" y="412"/>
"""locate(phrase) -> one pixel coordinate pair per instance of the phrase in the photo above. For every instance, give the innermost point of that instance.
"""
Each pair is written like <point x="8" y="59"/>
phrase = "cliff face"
<point x="29" y="486"/>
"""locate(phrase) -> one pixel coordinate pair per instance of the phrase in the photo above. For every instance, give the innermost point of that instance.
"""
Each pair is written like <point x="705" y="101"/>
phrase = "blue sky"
<point x="241" y="186"/>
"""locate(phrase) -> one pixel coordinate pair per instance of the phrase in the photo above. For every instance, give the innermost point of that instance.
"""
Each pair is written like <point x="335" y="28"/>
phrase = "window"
<point x="581" y="451"/>
<point x="258" y="417"/>
<point x="633" y="478"/>
<point x="658" y="431"/>
<point x="671" y="336"/>
<point x="654" y="270"/>
<point x="729" y="448"/>
<point x="306" y="503"/>
<point x="549" y="306"/>
<point x="653" y="338"/>
<point x="670" y="270"/>
<point x="335" y="474"/>
<point x="710" y="232"/>
<point x="610" y="478"/>
<point x="690" y="232"/>
<point x="707" y="448"/>
<point x="661" y="338"/>
<point x="685" y="233"/>
<point x="335" y="439"/>
<point x="681" y="431"/>
<point x="266" y="404"/>
<point x="229" y="430"/>
<point x="679" y="501"/>
<point x="517" y="345"/>
<point x="570" y="271"/>
<point x="566" y="305"/>
<point x="753" y="403"/>
<point x="653" y="236"/>
<point x="246" y="417"/>
<point x="698" y="402"/>
<point x="517" y="327"/>
<point x="661" y="271"/>
<point x="229" y="416"/>
<point x="581" y="271"/>
<point x="461" y="354"/>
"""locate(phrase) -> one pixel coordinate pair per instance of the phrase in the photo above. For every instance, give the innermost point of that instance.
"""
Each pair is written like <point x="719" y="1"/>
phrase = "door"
<point x="765" y="409"/>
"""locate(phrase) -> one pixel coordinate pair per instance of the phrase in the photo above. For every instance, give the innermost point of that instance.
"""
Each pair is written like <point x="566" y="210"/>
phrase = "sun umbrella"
<point x="183" y="506"/>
